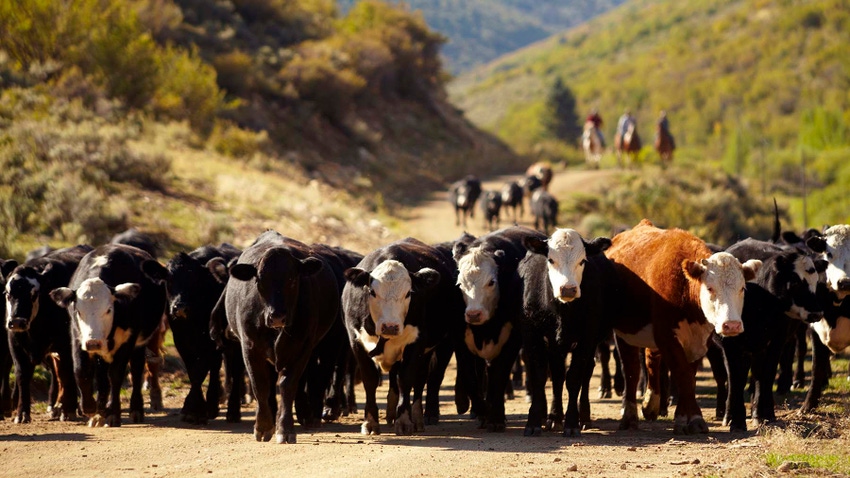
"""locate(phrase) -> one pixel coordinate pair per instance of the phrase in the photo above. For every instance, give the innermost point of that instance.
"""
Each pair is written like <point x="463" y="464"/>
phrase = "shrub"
<point x="234" y="72"/>
<point x="187" y="89"/>
<point x="230" y="140"/>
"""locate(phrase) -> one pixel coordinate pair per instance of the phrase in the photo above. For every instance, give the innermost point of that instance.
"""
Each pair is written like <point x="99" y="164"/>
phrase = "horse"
<point x="628" y="143"/>
<point x="592" y="145"/>
<point x="664" y="145"/>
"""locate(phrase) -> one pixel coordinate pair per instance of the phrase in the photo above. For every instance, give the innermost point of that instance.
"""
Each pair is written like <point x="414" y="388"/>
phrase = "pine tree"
<point x="561" y="119"/>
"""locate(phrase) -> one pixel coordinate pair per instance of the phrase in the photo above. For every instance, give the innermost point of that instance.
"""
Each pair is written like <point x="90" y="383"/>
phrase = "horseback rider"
<point x="596" y="121"/>
<point x="623" y="124"/>
<point x="664" y="127"/>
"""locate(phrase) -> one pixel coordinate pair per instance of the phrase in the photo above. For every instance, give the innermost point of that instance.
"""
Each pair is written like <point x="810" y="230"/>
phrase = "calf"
<point x="512" y="199"/>
<point x="116" y="301"/>
<point x="491" y="204"/>
<point x="398" y="304"/>
<point x="37" y="327"/>
<point x="193" y="291"/>
<point x="675" y="294"/>
<point x="781" y="296"/>
<point x="281" y="299"/>
<point x="544" y="208"/>
<point x="462" y="195"/>
<point x="492" y="291"/>
<point x="569" y="290"/>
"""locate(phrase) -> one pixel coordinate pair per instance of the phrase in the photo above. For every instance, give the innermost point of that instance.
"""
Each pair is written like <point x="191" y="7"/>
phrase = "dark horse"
<point x="628" y="143"/>
<point x="664" y="145"/>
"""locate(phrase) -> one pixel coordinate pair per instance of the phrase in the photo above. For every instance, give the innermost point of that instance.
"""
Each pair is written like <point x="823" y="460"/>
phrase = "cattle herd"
<point x="304" y="322"/>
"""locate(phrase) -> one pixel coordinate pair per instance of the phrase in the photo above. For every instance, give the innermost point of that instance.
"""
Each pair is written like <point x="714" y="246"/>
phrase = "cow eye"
<point x="583" y="262"/>
<point x="829" y="255"/>
<point x="491" y="283"/>
<point x="408" y="294"/>
<point x="550" y="261"/>
<point x="711" y="290"/>
<point x="372" y="293"/>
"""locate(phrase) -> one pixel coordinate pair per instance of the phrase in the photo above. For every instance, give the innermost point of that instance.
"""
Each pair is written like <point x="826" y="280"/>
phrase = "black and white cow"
<point x="281" y="299"/>
<point x="492" y="291"/>
<point x="544" y="208"/>
<point x="116" y="301"/>
<point x="193" y="291"/>
<point x="462" y="196"/>
<point x="5" y="358"/>
<point x="569" y="289"/>
<point x="491" y="205"/>
<point x="37" y="327"/>
<point x="398" y="305"/>
<point x="782" y="294"/>
<point x="512" y="198"/>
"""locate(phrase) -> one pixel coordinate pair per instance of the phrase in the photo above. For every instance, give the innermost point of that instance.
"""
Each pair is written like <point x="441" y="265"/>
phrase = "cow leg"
<point x="820" y="374"/>
<point x="536" y="358"/>
<point x="470" y="371"/>
<point x="498" y="375"/>
<point x="214" y="387"/>
<point x="719" y="370"/>
<point x="580" y="362"/>
<point x="603" y="352"/>
<point x="557" y="360"/>
<point x="234" y="372"/>
<point x="651" y="407"/>
<point x="138" y="359"/>
<point x="800" y="371"/>
<point x="69" y="401"/>
<point x="288" y="383"/>
<point x="153" y="363"/>
<point x="350" y="380"/>
<point x="439" y="362"/>
<point x="55" y="391"/>
<point x="392" y="395"/>
<point x="688" y="416"/>
<point x="370" y="375"/>
<point x="737" y="366"/>
<point x="764" y="367"/>
<point x="24" y="368"/>
<point x="259" y="373"/>
<point x="630" y="357"/>
<point x="419" y="379"/>
<point x="5" y="383"/>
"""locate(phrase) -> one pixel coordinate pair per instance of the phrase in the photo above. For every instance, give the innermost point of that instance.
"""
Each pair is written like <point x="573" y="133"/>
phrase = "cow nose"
<point x="844" y="284"/>
<point x="731" y="329"/>
<point x="473" y="316"/>
<point x="93" y="345"/>
<point x="178" y="311"/>
<point x="276" y="321"/>
<point x="814" y="317"/>
<point x="568" y="291"/>
<point x="387" y="329"/>
<point x="19" y="325"/>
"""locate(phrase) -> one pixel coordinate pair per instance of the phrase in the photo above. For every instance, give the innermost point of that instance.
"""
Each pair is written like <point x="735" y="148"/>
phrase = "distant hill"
<point x="479" y="31"/>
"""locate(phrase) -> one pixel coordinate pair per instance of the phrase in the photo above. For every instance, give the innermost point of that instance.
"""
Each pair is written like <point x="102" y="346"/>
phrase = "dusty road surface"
<point x="163" y="446"/>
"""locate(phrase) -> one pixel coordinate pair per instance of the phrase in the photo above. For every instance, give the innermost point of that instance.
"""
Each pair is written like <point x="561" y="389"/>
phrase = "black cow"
<point x="569" y="293"/>
<point x="193" y="291"/>
<point x="783" y="289"/>
<point x="398" y="304"/>
<point x="136" y="238"/>
<point x="491" y="204"/>
<point x="492" y="292"/>
<point x="544" y="208"/>
<point x="116" y="300"/>
<point x="462" y="195"/>
<point x="512" y="198"/>
<point x="39" y="252"/>
<point x="37" y="327"/>
<point x="281" y="299"/>
<point x="5" y="356"/>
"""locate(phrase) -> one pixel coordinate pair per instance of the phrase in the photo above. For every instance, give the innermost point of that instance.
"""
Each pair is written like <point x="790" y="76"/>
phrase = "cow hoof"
<point x="403" y="425"/>
<point x="213" y="411"/>
<point x="697" y="425"/>
<point x="23" y="417"/>
<point x="555" y="425"/>
<point x="260" y="435"/>
<point x="604" y="393"/>
<point x="156" y="401"/>
<point x="738" y="428"/>
<point x="628" y="425"/>
<point x="798" y="385"/>
<point x="233" y="417"/>
<point x="370" y="428"/>
<point x="285" y="438"/>
<point x="432" y="420"/>
<point x="482" y="423"/>
<point x="329" y="414"/>
<point x="532" y="431"/>
<point x="572" y="433"/>
<point x="53" y="414"/>
<point x="496" y="427"/>
<point x="68" y="416"/>
<point x="137" y="416"/>
<point x="649" y="415"/>
<point x="96" y="420"/>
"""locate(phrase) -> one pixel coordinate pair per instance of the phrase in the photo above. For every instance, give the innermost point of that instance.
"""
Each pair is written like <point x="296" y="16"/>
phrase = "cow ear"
<point x="693" y="270"/>
<point x="218" y="269"/>
<point x="817" y="244"/>
<point x="154" y="270"/>
<point x="597" y="246"/>
<point x="7" y="267"/>
<point x="425" y="279"/>
<point x="458" y="250"/>
<point x="790" y="237"/>
<point x="243" y="271"/>
<point x="499" y="253"/>
<point x="536" y="245"/>
<point x="310" y="266"/>
<point x="751" y="269"/>
<point x="63" y="296"/>
<point x="127" y="291"/>
<point x="821" y="265"/>
<point x="358" y="277"/>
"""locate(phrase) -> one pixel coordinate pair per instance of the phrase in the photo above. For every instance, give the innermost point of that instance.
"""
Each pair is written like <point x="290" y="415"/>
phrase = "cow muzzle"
<point x="474" y="317"/>
<point x="276" y="321"/>
<point x="179" y="311"/>
<point x="94" y="345"/>
<point x="732" y="328"/>
<point x="18" y="324"/>
<point x="567" y="293"/>
<point x="389" y="330"/>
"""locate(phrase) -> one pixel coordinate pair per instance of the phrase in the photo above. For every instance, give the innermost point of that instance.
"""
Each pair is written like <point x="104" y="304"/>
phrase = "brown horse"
<point x="664" y="145"/>
<point x="591" y="143"/>
<point x="628" y="143"/>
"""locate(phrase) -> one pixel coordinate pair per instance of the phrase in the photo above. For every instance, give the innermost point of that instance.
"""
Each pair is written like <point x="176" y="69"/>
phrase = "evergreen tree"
<point x="561" y="120"/>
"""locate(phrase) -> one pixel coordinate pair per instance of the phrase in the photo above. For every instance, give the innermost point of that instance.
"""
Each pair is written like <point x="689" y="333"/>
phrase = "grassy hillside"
<point x="479" y="31"/>
<point x="758" y="87"/>
<point x="201" y="121"/>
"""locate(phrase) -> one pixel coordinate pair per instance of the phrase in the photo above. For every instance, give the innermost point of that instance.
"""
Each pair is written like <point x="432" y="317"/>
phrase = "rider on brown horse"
<point x="664" y="128"/>
<point x="594" y="118"/>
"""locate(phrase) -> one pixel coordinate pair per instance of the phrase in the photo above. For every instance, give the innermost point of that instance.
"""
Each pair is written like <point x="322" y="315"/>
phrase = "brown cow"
<point x="675" y="293"/>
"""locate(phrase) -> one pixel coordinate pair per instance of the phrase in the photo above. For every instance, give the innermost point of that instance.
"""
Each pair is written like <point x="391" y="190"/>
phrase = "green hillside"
<point x="757" y="86"/>
<point x="479" y="31"/>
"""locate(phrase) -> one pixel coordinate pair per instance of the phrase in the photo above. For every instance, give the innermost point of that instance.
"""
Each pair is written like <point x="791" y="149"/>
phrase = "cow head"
<point x="478" y="279"/>
<point x="278" y="276"/>
<point x="793" y="277"/>
<point x="721" y="279"/>
<point x="390" y="286"/>
<point x="92" y="308"/>
<point x="566" y="253"/>
<point x="834" y="246"/>
<point x="186" y="275"/>
<point x="23" y="287"/>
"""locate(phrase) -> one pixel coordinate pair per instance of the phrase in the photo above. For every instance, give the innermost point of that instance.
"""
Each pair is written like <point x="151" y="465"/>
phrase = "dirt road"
<point x="163" y="446"/>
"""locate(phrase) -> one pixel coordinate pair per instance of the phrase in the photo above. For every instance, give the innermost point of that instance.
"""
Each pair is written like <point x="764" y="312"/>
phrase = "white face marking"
<point x="100" y="261"/>
<point x="566" y="261"/>
<point x="838" y="256"/>
<point x="94" y="310"/>
<point x="479" y="283"/>
<point x="644" y="338"/>
<point x="838" y="338"/>
<point x="694" y="338"/>
<point x="489" y="350"/>
<point x="804" y="267"/>
<point x="721" y="296"/>
<point x="389" y="298"/>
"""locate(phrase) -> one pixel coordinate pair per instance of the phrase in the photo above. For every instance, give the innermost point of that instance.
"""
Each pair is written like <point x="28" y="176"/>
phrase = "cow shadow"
<point x="77" y="437"/>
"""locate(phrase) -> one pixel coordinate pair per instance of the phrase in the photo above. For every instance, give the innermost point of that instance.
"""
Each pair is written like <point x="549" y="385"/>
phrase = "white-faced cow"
<point x="569" y="292"/>
<point x="398" y="305"/>
<point x="116" y="301"/>
<point x="492" y="291"/>
<point x="193" y="291"/>
<point x="37" y="327"/>
<point x="281" y="299"/>
<point x="675" y="294"/>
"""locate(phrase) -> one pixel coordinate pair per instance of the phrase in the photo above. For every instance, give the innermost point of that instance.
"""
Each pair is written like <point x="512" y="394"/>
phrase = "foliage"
<point x="561" y="120"/>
